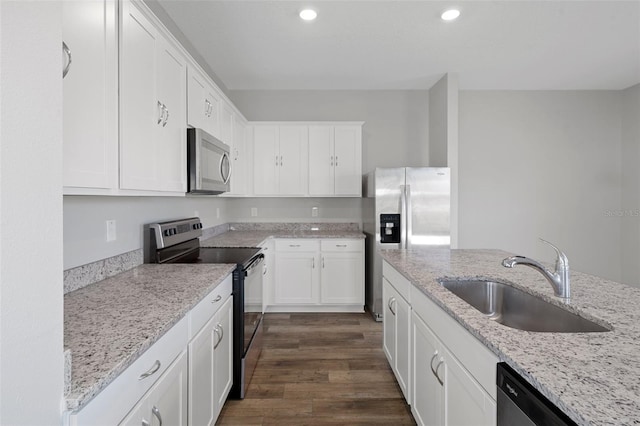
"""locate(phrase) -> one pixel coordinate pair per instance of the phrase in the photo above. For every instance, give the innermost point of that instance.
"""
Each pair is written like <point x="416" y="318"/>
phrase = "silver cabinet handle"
<point x="206" y="107"/>
<point x="322" y="262"/>
<point x="281" y="161"/>
<point x="390" y="303"/>
<point x="217" y="299"/>
<point x="336" y="161"/>
<point x="313" y="263"/>
<point x="437" y="376"/>
<point x="156" y="413"/>
<point x="276" y="161"/>
<point x="160" y="112"/>
<point x="264" y="269"/>
<point x="294" y="245"/>
<point x="166" y="118"/>
<point x="67" y="52"/>
<point x="331" y="160"/>
<point x="341" y="245"/>
<point x="154" y="368"/>
<point x="433" y="370"/>
<point x="220" y="336"/>
<point x="145" y="422"/>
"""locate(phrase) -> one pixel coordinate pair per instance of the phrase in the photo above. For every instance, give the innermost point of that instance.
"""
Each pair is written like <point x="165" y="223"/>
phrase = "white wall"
<point x="85" y="222"/>
<point x="630" y="211"/>
<point x="542" y="164"/>
<point x="31" y="301"/>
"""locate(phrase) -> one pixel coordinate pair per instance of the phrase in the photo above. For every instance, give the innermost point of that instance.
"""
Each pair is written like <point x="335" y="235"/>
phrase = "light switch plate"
<point x="254" y="212"/>
<point x="314" y="212"/>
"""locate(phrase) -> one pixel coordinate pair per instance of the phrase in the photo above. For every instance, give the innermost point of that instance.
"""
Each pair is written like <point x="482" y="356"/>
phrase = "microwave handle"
<point x="225" y="158"/>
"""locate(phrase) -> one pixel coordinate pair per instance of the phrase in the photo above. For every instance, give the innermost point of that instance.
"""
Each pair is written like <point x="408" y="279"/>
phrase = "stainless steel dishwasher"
<point x="519" y="404"/>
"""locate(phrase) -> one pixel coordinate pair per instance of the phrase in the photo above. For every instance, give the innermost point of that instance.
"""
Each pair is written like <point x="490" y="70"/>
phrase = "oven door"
<point x="208" y="166"/>
<point x="252" y="298"/>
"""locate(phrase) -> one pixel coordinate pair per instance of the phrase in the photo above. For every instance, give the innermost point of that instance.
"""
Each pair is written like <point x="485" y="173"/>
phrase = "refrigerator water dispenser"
<point x="389" y="228"/>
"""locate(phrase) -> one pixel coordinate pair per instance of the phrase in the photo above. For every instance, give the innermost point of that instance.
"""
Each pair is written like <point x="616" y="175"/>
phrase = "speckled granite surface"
<point x="109" y="324"/>
<point x="241" y="236"/>
<point x="75" y="278"/>
<point x="593" y="377"/>
<point x="294" y="226"/>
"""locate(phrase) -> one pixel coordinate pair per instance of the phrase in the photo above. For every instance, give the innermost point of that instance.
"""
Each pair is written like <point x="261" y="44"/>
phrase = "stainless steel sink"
<point x="515" y="308"/>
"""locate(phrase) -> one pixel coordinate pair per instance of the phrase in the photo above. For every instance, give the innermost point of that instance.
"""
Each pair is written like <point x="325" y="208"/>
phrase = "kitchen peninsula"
<point x="592" y="377"/>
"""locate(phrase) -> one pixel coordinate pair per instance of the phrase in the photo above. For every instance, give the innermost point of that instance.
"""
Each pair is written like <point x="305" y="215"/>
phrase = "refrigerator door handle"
<point x="403" y="217"/>
<point x="407" y="221"/>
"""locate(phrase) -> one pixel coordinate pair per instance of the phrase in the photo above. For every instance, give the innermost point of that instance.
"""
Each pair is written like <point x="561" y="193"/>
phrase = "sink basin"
<point x="515" y="308"/>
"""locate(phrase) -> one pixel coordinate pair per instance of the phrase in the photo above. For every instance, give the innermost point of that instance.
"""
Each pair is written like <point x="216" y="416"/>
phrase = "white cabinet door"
<point x="293" y="151"/>
<point x="203" y="103"/>
<point x="427" y="395"/>
<point x="90" y="97"/>
<point x="296" y="278"/>
<point x="166" y="402"/>
<point x="465" y="401"/>
<point x="202" y="377"/>
<point x="266" y="160"/>
<point x="239" y="159"/>
<point x="321" y="169"/>
<point x="171" y="140"/>
<point x="342" y="276"/>
<point x="227" y="116"/>
<point x="396" y="342"/>
<point x="348" y="160"/>
<point x="152" y="107"/>
<point x="223" y="355"/>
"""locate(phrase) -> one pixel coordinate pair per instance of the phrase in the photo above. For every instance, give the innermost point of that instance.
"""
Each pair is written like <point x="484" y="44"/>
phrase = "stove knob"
<point x="166" y="232"/>
<point x="173" y="231"/>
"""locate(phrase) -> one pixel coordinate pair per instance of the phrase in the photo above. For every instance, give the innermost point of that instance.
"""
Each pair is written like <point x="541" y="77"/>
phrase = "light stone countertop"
<point x="255" y="238"/>
<point x="593" y="377"/>
<point x="109" y="324"/>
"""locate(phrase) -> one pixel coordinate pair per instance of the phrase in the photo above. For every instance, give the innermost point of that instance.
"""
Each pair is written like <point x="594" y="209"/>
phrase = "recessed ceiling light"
<point x="308" y="14"/>
<point x="450" y="15"/>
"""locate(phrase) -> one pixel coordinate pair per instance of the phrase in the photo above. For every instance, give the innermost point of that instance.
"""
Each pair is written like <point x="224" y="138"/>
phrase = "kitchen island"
<point x="592" y="377"/>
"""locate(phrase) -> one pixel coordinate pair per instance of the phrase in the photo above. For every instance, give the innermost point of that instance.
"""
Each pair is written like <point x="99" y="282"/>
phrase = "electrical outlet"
<point x="111" y="230"/>
<point x="254" y="212"/>
<point x="314" y="212"/>
<point x="217" y="212"/>
<point x="196" y="213"/>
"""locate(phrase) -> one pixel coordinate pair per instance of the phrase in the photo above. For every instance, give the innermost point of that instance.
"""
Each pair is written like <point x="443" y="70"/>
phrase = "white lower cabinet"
<point x="182" y="379"/>
<point x="396" y="342"/>
<point x="166" y="401"/>
<point x="319" y="275"/>
<point x="451" y="375"/>
<point x="210" y="367"/>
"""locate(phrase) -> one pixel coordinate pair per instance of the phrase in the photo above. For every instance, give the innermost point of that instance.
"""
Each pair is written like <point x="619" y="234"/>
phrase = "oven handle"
<point x="255" y="262"/>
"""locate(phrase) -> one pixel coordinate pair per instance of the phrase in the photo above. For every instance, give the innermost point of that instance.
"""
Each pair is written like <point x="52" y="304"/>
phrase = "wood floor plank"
<point x="320" y="369"/>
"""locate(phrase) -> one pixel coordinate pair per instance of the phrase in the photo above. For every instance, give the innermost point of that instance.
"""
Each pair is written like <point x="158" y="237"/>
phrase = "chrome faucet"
<point x="559" y="279"/>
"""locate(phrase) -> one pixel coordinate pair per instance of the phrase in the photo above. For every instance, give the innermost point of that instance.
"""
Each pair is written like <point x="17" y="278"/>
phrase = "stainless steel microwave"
<point x="208" y="165"/>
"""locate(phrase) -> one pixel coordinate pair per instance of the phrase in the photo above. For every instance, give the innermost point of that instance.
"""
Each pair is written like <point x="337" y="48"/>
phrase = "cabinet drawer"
<point x="112" y="404"/>
<point x="204" y="310"/>
<point x="341" y="245"/>
<point x="296" y="244"/>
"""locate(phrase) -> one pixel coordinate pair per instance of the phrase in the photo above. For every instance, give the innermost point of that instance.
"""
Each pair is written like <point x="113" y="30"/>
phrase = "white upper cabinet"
<point x="152" y="108"/>
<point x="90" y="94"/>
<point x="227" y="117"/>
<point x="335" y="160"/>
<point x="203" y="106"/>
<point x="280" y="158"/>
<point x="239" y="159"/>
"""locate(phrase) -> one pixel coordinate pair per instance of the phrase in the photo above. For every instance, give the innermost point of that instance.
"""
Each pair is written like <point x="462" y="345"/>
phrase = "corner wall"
<point x="542" y="164"/>
<point x="31" y="292"/>
<point x="630" y="211"/>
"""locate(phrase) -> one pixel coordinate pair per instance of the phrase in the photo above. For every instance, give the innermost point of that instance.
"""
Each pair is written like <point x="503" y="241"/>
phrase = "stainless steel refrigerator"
<point x="404" y="208"/>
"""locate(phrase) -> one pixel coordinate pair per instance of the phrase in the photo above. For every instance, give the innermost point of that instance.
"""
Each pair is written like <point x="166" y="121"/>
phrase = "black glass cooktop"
<point x="239" y="256"/>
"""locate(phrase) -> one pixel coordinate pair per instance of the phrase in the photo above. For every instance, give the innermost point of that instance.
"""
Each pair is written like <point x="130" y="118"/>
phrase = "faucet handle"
<point x="561" y="259"/>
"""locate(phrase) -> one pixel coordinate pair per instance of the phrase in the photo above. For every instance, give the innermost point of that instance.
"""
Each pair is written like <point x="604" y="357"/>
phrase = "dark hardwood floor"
<point x="320" y="369"/>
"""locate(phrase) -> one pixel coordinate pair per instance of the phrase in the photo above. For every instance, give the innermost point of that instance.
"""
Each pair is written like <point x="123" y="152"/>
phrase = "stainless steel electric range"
<point x="178" y="241"/>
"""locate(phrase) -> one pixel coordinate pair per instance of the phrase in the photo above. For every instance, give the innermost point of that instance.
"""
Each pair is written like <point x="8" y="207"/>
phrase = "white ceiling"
<point x="525" y="45"/>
